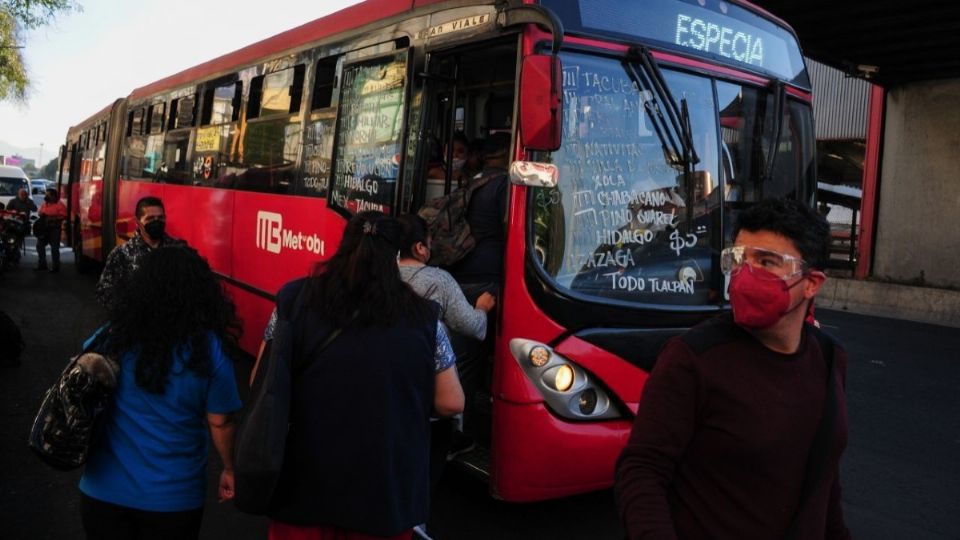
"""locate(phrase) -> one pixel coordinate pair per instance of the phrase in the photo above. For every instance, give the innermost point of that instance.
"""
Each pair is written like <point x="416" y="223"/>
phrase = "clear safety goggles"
<point x="782" y="265"/>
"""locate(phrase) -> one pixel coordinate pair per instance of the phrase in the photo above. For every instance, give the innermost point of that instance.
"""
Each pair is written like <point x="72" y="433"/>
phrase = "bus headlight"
<point x="568" y="389"/>
<point x="562" y="377"/>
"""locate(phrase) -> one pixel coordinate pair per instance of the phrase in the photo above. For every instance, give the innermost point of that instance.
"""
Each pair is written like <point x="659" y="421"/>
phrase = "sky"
<point x="83" y="61"/>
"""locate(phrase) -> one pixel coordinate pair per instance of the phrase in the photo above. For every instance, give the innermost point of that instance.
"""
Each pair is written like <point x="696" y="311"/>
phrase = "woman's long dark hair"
<point x="172" y="304"/>
<point x="362" y="277"/>
<point x="413" y="231"/>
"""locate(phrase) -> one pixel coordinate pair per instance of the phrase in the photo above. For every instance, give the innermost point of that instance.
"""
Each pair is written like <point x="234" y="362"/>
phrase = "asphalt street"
<point x="900" y="474"/>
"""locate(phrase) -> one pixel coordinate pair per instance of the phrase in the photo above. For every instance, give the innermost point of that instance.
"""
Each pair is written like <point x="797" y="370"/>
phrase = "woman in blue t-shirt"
<point x="145" y="477"/>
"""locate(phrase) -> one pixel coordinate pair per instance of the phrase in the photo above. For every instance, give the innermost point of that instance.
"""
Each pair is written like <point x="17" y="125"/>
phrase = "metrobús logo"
<point x="272" y="237"/>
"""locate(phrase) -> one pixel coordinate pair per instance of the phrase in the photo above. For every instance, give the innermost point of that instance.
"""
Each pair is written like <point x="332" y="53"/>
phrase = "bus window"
<point x="135" y="146"/>
<point x="266" y="159"/>
<point x="747" y="129"/>
<point x="135" y="122"/>
<point x="276" y="93"/>
<point x="369" y="134"/>
<point x="324" y="83"/>
<point x="220" y="104"/>
<point x="155" y="117"/>
<point x="314" y="178"/>
<point x="626" y="224"/>
<point x="216" y="139"/>
<point x="182" y="112"/>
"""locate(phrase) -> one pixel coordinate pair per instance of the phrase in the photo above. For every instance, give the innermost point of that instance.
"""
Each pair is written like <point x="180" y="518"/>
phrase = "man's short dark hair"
<point x="496" y="145"/>
<point x="145" y="202"/>
<point x="802" y="225"/>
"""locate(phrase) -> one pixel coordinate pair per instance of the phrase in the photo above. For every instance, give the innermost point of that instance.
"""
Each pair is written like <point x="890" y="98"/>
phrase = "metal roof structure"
<point x="889" y="42"/>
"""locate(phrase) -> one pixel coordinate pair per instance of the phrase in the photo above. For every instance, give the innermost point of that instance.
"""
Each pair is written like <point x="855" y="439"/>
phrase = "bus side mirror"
<point x="541" y="104"/>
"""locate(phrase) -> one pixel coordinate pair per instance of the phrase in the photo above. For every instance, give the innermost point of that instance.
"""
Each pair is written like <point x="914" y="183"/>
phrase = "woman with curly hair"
<point x="169" y="328"/>
<point x="356" y="463"/>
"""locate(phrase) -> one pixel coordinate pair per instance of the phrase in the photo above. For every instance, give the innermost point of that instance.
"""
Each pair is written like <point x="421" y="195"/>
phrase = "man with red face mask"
<point x="725" y="443"/>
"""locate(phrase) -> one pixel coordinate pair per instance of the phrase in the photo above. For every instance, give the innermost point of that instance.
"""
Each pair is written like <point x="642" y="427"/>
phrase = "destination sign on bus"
<point x="720" y="30"/>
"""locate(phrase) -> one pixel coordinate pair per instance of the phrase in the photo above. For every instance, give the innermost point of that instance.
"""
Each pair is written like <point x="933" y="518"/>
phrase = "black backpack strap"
<point x="477" y="183"/>
<point x="820" y="447"/>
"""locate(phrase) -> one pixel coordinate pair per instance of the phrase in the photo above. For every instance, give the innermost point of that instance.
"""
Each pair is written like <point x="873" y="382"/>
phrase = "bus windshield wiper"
<point x="779" y="102"/>
<point x="671" y="122"/>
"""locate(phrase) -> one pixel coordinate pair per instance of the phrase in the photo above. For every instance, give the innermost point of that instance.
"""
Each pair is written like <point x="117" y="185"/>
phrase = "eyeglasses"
<point x="782" y="265"/>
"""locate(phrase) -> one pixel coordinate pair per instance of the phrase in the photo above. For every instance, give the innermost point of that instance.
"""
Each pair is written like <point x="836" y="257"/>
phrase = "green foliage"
<point x="50" y="170"/>
<point x="17" y="16"/>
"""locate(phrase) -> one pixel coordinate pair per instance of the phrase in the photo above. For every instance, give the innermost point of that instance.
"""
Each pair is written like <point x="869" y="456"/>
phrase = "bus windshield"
<point x="626" y="222"/>
<point x="718" y="30"/>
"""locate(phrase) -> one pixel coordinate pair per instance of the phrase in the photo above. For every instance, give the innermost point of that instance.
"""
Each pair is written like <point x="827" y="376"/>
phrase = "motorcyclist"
<point x="22" y="206"/>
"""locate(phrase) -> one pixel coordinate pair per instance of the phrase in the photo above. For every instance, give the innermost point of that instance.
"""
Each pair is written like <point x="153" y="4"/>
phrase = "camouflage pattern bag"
<point x="446" y="219"/>
<point x="64" y="428"/>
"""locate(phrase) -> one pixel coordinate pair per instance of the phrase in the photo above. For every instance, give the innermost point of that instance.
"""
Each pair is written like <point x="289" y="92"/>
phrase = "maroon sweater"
<point x="719" y="446"/>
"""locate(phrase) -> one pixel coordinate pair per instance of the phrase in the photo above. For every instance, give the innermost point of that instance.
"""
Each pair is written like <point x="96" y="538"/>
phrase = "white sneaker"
<point x="420" y="531"/>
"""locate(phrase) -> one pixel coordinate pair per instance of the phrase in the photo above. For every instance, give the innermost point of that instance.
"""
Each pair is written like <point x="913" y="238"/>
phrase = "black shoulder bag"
<point x="261" y="436"/>
<point x="71" y="412"/>
<point x="820" y="447"/>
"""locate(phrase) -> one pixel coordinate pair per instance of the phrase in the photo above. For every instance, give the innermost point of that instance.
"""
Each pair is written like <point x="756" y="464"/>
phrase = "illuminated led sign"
<point x="723" y="31"/>
<point x="706" y="36"/>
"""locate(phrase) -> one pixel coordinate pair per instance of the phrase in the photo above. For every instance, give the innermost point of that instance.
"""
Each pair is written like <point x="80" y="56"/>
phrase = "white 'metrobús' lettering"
<point x="273" y="237"/>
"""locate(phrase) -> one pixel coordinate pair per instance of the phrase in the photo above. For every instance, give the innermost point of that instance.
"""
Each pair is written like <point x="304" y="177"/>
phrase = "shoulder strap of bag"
<point x="820" y="447"/>
<point x="476" y="184"/>
<point x="293" y="315"/>
<point x="98" y="341"/>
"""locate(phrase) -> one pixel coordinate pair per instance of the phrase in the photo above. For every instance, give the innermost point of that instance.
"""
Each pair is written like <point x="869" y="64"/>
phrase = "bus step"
<point x="476" y="462"/>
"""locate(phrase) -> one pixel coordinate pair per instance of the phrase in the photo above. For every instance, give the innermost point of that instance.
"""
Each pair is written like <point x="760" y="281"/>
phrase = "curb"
<point x="920" y="304"/>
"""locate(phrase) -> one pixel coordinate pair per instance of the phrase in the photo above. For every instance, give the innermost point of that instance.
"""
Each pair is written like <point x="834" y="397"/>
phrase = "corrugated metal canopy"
<point x="907" y="41"/>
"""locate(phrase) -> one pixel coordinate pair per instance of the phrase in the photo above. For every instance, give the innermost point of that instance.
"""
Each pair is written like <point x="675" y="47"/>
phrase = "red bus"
<point x="639" y="130"/>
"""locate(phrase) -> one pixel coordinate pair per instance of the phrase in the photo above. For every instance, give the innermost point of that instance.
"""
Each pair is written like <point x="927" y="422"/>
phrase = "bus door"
<point x="72" y="168"/>
<point x="469" y="94"/>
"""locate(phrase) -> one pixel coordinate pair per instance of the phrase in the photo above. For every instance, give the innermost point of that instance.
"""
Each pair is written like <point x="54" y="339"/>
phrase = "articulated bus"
<point x="639" y="130"/>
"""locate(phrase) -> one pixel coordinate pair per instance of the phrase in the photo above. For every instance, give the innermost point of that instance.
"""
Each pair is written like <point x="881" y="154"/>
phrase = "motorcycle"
<point x="12" y="232"/>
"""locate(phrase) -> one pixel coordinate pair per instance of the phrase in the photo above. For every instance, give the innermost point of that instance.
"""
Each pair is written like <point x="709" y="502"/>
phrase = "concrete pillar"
<point x="918" y="225"/>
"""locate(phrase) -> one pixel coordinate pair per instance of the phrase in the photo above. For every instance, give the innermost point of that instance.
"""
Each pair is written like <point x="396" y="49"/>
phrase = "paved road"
<point x="900" y="472"/>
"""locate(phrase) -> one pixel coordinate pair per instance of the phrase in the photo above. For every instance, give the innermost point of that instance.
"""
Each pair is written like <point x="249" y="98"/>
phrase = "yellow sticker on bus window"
<point x="208" y="139"/>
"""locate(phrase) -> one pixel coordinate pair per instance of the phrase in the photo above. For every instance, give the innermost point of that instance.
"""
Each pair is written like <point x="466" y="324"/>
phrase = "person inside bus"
<point x="47" y="229"/>
<point x="480" y="270"/>
<point x="438" y="169"/>
<point x="464" y="321"/>
<point x="357" y="454"/>
<point x="146" y="474"/>
<point x="474" y="161"/>
<point x="124" y="259"/>
<point x="725" y="443"/>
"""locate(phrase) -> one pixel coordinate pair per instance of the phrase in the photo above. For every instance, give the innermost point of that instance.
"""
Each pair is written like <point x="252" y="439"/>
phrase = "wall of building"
<point x="918" y="224"/>
<point x="839" y="103"/>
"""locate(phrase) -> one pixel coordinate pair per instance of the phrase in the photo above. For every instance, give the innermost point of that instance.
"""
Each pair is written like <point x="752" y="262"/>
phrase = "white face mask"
<point x="458" y="164"/>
